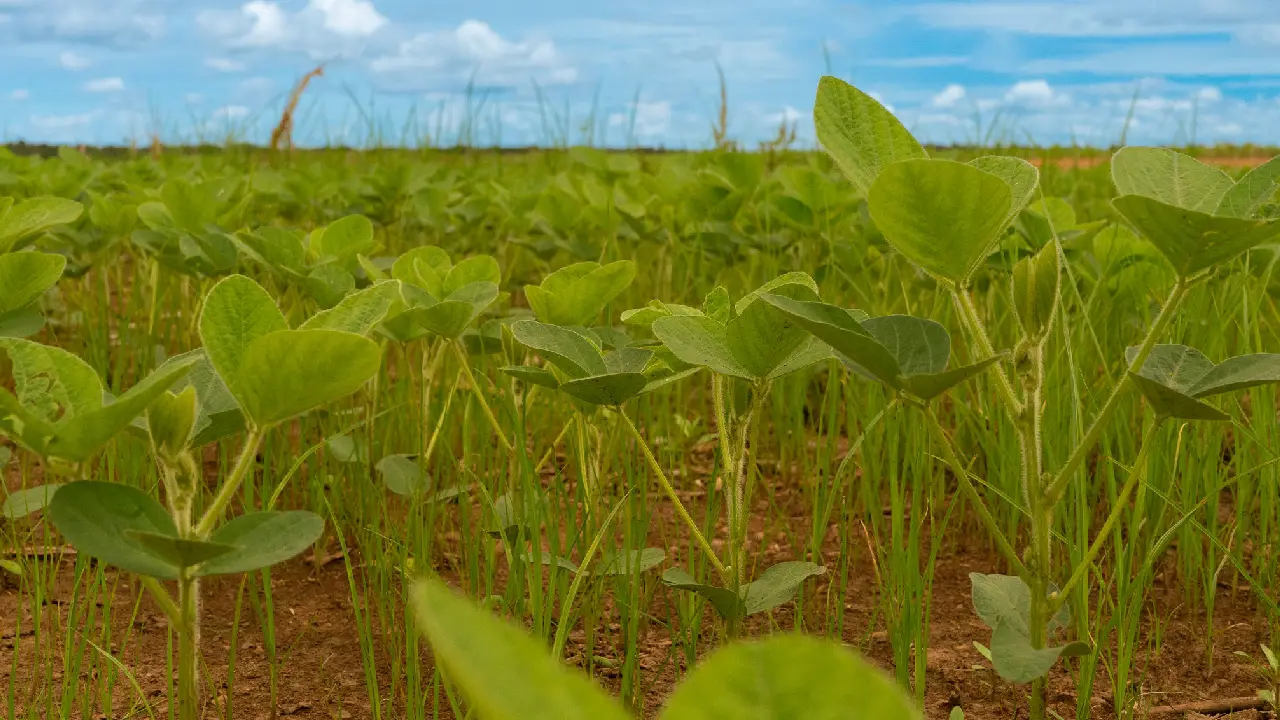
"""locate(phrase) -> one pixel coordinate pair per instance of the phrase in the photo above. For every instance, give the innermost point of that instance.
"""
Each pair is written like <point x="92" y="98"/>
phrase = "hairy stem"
<point x="188" y="648"/>
<point x="232" y="484"/>
<point x="977" y="331"/>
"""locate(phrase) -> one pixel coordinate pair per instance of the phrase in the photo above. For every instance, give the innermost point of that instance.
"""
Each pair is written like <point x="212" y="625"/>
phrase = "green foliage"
<point x="1190" y="240"/>
<point x="1174" y="378"/>
<point x="24" y="278"/>
<point x="593" y="377"/>
<point x="776" y="586"/>
<point x="861" y="135"/>
<point x="942" y="215"/>
<point x="576" y="294"/>
<point x="1036" y="285"/>
<point x="21" y="220"/>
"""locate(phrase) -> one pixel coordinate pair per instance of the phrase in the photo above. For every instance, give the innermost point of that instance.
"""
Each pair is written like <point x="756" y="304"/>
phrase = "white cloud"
<point x="117" y="23"/>
<point x="949" y="96"/>
<point x="1095" y="18"/>
<point x="19" y="95"/>
<point x="473" y="51"/>
<point x="225" y="64"/>
<point x="193" y="98"/>
<point x="1209" y="95"/>
<point x="1035" y="93"/>
<point x="1230" y="129"/>
<point x="104" y="85"/>
<point x="919" y="61"/>
<point x="73" y="61"/>
<point x="880" y="99"/>
<point x="231" y="112"/>
<point x="352" y="18"/>
<point x="321" y="29"/>
<point x="789" y="115"/>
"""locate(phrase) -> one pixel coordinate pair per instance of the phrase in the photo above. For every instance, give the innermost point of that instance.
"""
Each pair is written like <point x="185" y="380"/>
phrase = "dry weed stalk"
<point x="284" y="129"/>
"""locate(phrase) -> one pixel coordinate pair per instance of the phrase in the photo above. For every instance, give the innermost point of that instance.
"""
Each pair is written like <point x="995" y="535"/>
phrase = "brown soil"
<point x="321" y="674"/>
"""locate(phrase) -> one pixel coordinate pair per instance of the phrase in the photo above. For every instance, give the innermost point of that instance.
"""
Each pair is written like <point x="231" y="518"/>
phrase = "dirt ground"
<point x="322" y="676"/>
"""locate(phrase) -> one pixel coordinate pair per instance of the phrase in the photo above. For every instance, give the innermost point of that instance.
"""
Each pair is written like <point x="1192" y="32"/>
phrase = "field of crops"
<point x="1005" y="430"/>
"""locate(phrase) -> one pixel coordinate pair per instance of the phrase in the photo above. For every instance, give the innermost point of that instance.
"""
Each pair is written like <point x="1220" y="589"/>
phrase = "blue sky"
<point x="112" y="71"/>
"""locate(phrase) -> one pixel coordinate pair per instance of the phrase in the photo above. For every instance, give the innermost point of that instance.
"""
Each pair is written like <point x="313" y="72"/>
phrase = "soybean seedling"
<point x="946" y="218"/>
<point x="273" y="373"/>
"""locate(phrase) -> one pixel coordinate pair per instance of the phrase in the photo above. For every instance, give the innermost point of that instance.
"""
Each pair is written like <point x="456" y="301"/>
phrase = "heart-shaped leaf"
<point x="263" y="539"/>
<point x="699" y="340"/>
<point x="1193" y="241"/>
<point x="97" y="519"/>
<point x="1015" y="659"/>
<point x="236" y="312"/>
<point x="533" y="375"/>
<point x="727" y="603"/>
<point x="474" y="647"/>
<point x="629" y="562"/>
<point x="944" y="216"/>
<point x="287" y="373"/>
<point x="612" y="389"/>
<point x="786" y="677"/>
<point x="859" y="133"/>
<point x="761" y="338"/>
<point x="1021" y="176"/>
<point x="777" y="585"/>
<point x="423" y="267"/>
<point x="21" y="323"/>
<point x="576" y="294"/>
<point x="1169" y="177"/>
<point x="52" y="383"/>
<point x="343" y="239"/>
<point x="1006" y="599"/>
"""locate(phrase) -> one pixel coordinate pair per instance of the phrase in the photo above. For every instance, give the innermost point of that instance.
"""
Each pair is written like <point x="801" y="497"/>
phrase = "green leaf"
<point x="1035" y="284"/>
<point x="777" y="585"/>
<point x="716" y="305"/>
<point x="451" y="317"/>
<point x="474" y="647"/>
<point x="237" y="311"/>
<point x="918" y="345"/>
<point x="346" y="449"/>
<point x="629" y="562"/>
<point x="727" y="603"/>
<point x="567" y="349"/>
<point x="343" y="239"/>
<point x="357" y="313"/>
<point x="787" y="677"/>
<point x="289" y="372"/>
<point x="83" y="435"/>
<point x="1007" y="599"/>
<point x="218" y="414"/>
<point x="1169" y="177"/>
<point x="841" y="329"/>
<point x="21" y="323"/>
<point x="26" y="276"/>
<point x="22" y="503"/>
<point x="475" y="269"/>
<point x="1167" y="402"/>
<point x="402" y="475"/>
<point x="927" y="386"/>
<point x="1238" y="373"/>
<point x="699" y="340"/>
<point x="576" y="294"/>
<point x="263" y="539"/>
<point x="612" y="389"/>
<point x="51" y="382"/>
<point x="328" y="284"/>
<point x="532" y="375"/>
<point x="423" y="267"/>
<point x="277" y="248"/>
<point x="1021" y="176"/>
<point x="762" y="337"/>
<point x="28" y="217"/>
<point x="96" y="517"/>
<point x="171" y="420"/>
<point x="1166" y="379"/>
<point x="628" y="360"/>
<point x="944" y="216"/>
<point x="1193" y="241"/>
<point x="1014" y="658"/>
<point x="1250" y="192"/>
<point x="178" y="552"/>
<point x="859" y="133"/>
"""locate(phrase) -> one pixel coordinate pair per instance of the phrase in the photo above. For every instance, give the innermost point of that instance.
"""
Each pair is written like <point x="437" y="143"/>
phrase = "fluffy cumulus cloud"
<point x="104" y="85"/>
<point x="322" y="28"/>
<point x="949" y="96"/>
<point x="472" y="52"/>
<point x="1035" y="93"/>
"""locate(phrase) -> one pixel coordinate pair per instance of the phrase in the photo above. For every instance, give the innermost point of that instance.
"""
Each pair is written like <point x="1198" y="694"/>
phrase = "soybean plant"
<point x="270" y="372"/>
<point x="946" y="218"/>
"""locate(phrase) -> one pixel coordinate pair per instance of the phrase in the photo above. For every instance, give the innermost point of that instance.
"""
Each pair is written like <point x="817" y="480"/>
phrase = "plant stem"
<point x="163" y="599"/>
<point x="671" y="493"/>
<point x="1059" y="483"/>
<point x="188" y="648"/>
<point x="978" y="332"/>
<point x="475" y="388"/>
<point x="232" y="484"/>
<point x="951" y="457"/>
<point x="562" y="627"/>
<point x="1136" y="474"/>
